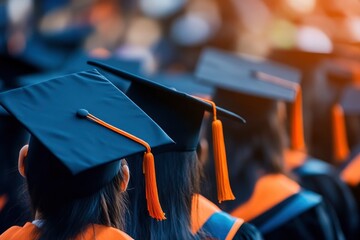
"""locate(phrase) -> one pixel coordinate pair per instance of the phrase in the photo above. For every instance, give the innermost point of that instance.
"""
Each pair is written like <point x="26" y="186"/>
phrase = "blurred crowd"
<point x="310" y="135"/>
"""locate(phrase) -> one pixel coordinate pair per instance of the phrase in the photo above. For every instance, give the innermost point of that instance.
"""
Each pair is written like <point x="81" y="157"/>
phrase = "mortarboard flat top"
<point x="225" y="71"/>
<point x="178" y="113"/>
<point x="350" y="100"/>
<point x="252" y="63"/>
<point x="184" y="82"/>
<point x="49" y="112"/>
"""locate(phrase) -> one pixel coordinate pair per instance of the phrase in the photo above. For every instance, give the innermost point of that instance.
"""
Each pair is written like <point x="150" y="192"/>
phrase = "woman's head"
<point x="67" y="210"/>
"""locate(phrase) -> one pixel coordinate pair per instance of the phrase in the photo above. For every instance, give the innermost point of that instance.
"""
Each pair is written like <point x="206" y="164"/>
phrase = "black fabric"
<point x="322" y="178"/>
<point x="317" y="223"/>
<point x="13" y="137"/>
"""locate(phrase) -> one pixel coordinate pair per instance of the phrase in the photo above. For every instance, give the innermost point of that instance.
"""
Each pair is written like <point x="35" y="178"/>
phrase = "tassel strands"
<point x="222" y="175"/>
<point x="297" y="128"/>
<point x="340" y="144"/>
<point x="152" y="197"/>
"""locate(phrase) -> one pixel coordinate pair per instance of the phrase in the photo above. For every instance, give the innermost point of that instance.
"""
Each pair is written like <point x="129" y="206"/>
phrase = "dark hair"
<point x="177" y="180"/>
<point x="250" y="148"/>
<point x="65" y="216"/>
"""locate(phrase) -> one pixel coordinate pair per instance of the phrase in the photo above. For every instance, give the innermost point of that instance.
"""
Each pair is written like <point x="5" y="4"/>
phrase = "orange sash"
<point x="201" y="211"/>
<point x="293" y="159"/>
<point x="351" y="174"/>
<point x="3" y="201"/>
<point x="269" y="191"/>
<point x="95" y="231"/>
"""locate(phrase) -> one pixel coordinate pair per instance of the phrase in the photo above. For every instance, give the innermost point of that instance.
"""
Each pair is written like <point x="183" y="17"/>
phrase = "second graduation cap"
<point x="261" y="79"/>
<point x="180" y="115"/>
<point x="88" y="125"/>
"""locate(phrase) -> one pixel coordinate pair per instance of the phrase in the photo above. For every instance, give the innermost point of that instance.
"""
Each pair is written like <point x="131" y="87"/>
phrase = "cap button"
<point x="82" y="113"/>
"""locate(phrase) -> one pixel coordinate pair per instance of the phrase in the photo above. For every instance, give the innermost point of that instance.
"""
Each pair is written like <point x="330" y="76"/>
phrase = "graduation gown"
<point x="208" y="221"/>
<point x="280" y="209"/>
<point x="322" y="178"/>
<point x="95" y="231"/>
<point x="350" y="174"/>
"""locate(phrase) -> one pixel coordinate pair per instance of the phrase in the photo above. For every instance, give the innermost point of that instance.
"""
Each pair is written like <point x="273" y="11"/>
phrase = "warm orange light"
<point x="302" y="6"/>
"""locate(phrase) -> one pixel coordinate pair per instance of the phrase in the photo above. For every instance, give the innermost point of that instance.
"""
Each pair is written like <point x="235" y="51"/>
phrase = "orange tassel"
<point x="297" y="128"/>
<point x="340" y="144"/>
<point x="222" y="175"/>
<point x="152" y="198"/>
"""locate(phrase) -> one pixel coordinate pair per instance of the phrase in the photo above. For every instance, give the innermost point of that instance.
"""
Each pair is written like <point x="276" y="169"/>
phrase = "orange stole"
<point x="351" y="174"/>
<point x="293" y="159"/>
<point x="269" y="190"/>
<point x="95" y="231"/>
<point x="201" y="211"/>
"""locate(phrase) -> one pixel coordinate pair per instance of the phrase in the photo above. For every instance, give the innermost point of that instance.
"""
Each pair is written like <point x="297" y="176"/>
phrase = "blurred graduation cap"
<point x="303" y="60"/>
<point x="180" y="115"/>
<point x="49" y="50"/>
<point x="251" y="63"/>
<point x="85" y="125"/>
<point x="341" y="72"/>
<point x="77" y="62"/>
<point x="347" y="105"/>
<point x="184" y="82"/>
<point x="264" y="80"/>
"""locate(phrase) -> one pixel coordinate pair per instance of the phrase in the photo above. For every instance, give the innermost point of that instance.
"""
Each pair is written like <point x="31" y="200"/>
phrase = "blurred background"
<point x="170" y="34"/>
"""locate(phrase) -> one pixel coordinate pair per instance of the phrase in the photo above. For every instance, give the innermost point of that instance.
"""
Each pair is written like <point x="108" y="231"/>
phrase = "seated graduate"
<point x="266" y="196"/>
<point x="188" y="215"/>
<point x="73" y="168"/>
<point x="311" y="173"/>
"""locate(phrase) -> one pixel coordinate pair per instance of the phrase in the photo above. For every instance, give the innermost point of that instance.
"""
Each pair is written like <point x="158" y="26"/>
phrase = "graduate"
<point x="188" y="215"/>
<point x="73" y="165"/>
<point x="312" y="174"/>
<point x="265" y="195"/>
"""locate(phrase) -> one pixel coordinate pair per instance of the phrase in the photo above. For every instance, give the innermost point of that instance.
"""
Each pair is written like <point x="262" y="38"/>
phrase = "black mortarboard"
<point x="77" y="62"/>
<point x="49" y="51"/>
<point x="69" y="117"/>
<point x="234" y="75"/>
<point x="252" y="64"/>
<point x="180" y="115"/>
<point x="302" y="60"/>
<point x="184" y="82"/>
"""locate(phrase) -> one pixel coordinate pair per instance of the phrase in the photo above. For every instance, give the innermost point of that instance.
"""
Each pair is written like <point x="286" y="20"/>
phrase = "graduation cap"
<point x="342" y="71"/>
<point x="347" y="105"/>
<point x="180" y="115"/>
<point x="77" y="62"/>
<point x="48" y="51"/>
<point x="298" y="58"/>
<point x="262" y="79"/>
<point x="184" y="82"/>
<point x="87" y="125"/>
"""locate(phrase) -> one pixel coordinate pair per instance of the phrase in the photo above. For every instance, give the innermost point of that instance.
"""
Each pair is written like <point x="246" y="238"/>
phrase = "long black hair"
<point x="66" y="214"/>
<point x="177" y="176"/>
<point x="252" y="149"/>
